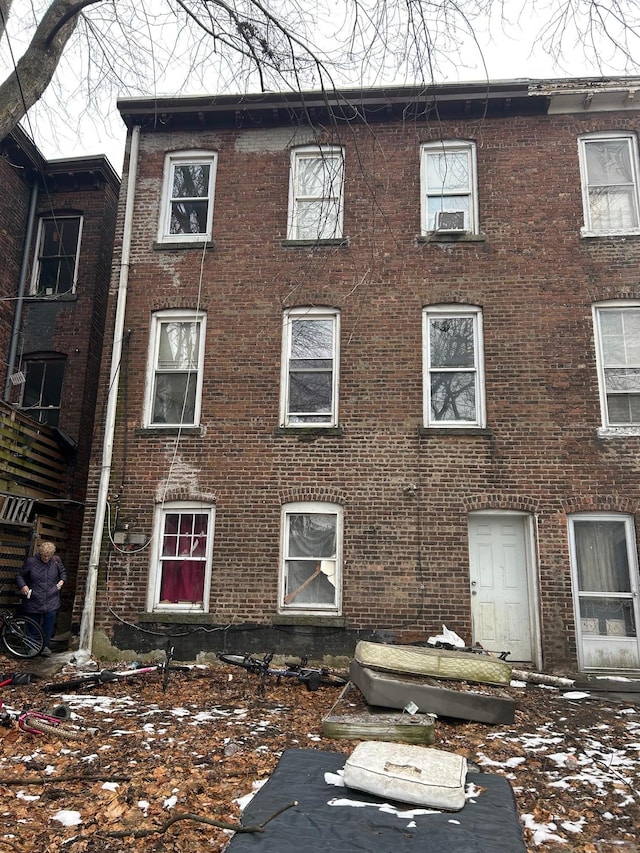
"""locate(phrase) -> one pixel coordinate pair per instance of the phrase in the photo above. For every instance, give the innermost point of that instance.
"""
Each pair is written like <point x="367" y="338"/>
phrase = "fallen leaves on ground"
<point x="210" y="740"/>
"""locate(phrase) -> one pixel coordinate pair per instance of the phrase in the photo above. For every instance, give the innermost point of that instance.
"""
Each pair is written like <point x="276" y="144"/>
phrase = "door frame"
<point x="530" y="529"/>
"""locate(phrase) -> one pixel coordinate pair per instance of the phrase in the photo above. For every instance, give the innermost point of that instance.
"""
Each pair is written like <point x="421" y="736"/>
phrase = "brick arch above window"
<point x="186" y="495"/>
<point x="499" y="501"/>
<point x="600" y="503"/>
<point x="313" y="493"/>
<point x="180" y="303"/>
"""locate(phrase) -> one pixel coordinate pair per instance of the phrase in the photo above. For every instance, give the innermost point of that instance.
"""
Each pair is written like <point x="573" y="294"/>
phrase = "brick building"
<point x="58" y="228"/>
<point x="378" y="365"/>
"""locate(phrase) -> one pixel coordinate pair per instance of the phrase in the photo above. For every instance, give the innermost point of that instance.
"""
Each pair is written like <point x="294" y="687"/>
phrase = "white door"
<point x="499" y="574"/>
<point x="605" y="591"/>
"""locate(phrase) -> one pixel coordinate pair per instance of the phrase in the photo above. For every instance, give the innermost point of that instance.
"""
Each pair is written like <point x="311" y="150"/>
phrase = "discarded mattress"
<point x="439" y="663"/>
<point x="410" y="774"/>
<point x="390" y="690"/>
<point x="327" y="817"/>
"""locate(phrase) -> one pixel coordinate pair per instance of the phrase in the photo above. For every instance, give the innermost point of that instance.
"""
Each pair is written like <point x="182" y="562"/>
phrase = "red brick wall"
<point x="406" y="558"/>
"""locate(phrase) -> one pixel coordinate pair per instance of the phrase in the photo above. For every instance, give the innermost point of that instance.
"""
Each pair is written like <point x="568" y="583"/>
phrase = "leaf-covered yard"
<point x="205" y="745"/>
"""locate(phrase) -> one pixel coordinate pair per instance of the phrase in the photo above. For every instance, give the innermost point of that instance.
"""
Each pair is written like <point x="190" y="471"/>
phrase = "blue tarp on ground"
<point x="487" y="823"/>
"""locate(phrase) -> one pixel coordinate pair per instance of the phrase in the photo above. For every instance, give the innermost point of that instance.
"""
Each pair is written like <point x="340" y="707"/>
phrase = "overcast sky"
<point x="509" y="55"/>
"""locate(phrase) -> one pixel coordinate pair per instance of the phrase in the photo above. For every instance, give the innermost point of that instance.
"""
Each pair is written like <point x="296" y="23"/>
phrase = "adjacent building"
<point x="58" y="227"/>
<point x="376" y="361"/>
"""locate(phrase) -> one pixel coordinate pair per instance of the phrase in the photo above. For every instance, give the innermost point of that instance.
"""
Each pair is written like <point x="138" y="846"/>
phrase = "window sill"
<point x="170" y="430"/>
<point x="176" y="617"/>
<point x="584" y="232"/>
<point x="317" y="619"/>
<point x="483" y="432"/>
<point x="311" y="244"/>
<point x="53" y="297"/>
<point x="309" y="433"/>
<point x="619" y="432"/>
<point x="179" y="245"/>
<point x="462" y="237"/>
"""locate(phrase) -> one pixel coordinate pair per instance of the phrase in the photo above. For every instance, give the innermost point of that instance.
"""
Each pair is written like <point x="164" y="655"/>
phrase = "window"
<point x="175" y="369"/>
<point x="311" y="561"/>
<point x="187" y="208"/>
<point x="604" y="575"/>
<point x="617" y="331"/>
<point x="56" y="262"/>
<point x="316" y="194"/>
<point x="181" y="571"/>
<point x="310" y="368"/>
<point x="448" y="178"/>
<point x="453" y="366"/>
<point x="42" y="389"/>
<point x="609" y="168"/>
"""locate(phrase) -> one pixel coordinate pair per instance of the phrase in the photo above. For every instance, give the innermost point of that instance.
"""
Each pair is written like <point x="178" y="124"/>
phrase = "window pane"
<point x="613" y="208"/>
<point x="184" y="542"/>
<point x="178" y="347"/>
<point x="609" y="162"/>
<point x="175" y="398"/>
<point x="601" y="555"/>
<point x="312" y="339"/>
<point x="447" y="172"/>
<point x="189" y="217"/>
<point x="611" y="617"/>
<point x="623" y="409"/>
<point x="453" y="396"/>
<point x="319" y="177"/>
<point x="448" y="204"/>
<point x="311" y="553"/>
<point x="317" y="220"/>
<point x="191" y="181"/>
<point x="452" y="342"/>
<point x="310" y="393"/>
<point x="622" y="379"/>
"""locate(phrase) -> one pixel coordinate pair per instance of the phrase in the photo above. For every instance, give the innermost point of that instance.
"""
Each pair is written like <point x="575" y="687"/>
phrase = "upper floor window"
<point x="181" y="564"/>
<point x="617" y="332"/>
<point x="453" y="366"/>
<point x="56" y="261"/>
<point x="175" y="368"/>
<point x="449" y="191"/>
<point x="609" y="168"/>
<point x="187" y="204"/>
<point x="310" y="352"/>
<point x="311" y="568"/>
<point x="42" y="389"/>
<point x="316" y="193"/>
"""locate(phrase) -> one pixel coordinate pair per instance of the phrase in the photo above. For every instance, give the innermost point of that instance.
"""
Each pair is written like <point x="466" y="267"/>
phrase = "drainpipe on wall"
<point x="89" y="608"/>
<point x="17" y="317"/>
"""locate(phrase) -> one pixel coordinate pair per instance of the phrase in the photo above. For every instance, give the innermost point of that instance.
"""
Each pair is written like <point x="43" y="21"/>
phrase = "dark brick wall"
<point x="405" y="556"/>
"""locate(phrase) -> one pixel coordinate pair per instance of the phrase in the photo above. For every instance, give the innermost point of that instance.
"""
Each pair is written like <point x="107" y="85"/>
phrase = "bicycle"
<point x="105" y="676"/>
<point x="476" y="650"/>
<point x="311" y="677"/>
<point x="39" y="723"/>
<point x="21" y="636"/>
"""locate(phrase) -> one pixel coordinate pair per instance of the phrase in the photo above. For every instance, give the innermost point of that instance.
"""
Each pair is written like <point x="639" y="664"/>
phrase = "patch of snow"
<point x="67" y="817"/>
<point x="541" y="831"/>
<point x="28" y="798"/>
<point x="576" y="694"/>
<point x="110" y="786"/>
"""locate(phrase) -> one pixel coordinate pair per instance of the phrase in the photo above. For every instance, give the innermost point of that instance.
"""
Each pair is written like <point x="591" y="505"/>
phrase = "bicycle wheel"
<point x="22" y="637"/>
<point x="328" y="679"/>
<point x="60" y="731"/>
<point x="243" y="661"/>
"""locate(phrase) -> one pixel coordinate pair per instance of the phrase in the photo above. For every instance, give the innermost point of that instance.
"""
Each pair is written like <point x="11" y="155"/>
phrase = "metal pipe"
<point x="88" y="611"/>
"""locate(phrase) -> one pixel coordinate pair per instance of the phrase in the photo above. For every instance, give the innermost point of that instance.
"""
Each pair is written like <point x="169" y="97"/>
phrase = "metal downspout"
<point x="89" y="608"/>
<point x="17" y="317"/>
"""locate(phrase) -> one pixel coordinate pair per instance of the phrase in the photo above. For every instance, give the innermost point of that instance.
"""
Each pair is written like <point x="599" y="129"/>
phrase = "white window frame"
<point x="445" y="147"/>
<point x="599" y="310"/>
<point x="329" y="566"/>
<point x="441" y="312"/>
<point x="184" y="158"/>
<point x="287" y="418"/>
<point x="155" y="574"/>
<point x="157" y="320"/>
<point x="35" y="276"/>
<point x="588" y="229"/>
<point x="334" y="201"/>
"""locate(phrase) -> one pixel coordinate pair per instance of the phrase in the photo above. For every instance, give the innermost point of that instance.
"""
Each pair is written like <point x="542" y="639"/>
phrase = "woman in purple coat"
<point x="40" y="580"/>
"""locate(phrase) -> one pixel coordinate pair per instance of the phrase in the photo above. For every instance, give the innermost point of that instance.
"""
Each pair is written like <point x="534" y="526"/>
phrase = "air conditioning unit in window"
<point x="450" y="221"/>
